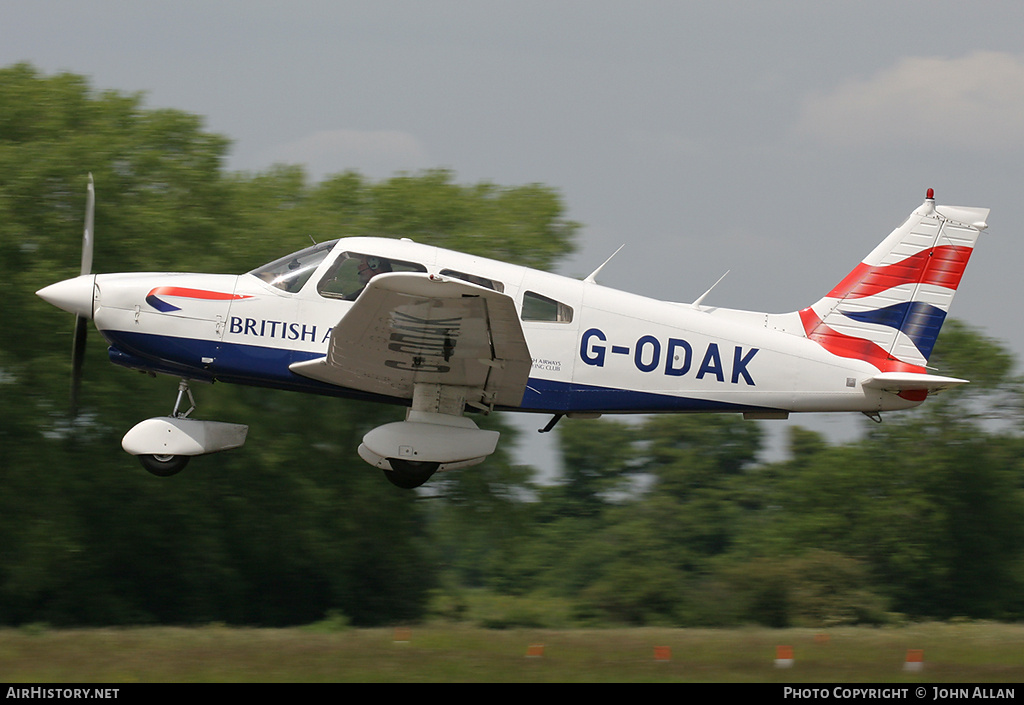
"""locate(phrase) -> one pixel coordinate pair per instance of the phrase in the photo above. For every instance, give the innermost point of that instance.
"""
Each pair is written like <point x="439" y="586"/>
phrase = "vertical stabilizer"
<point x="889" y="309"/>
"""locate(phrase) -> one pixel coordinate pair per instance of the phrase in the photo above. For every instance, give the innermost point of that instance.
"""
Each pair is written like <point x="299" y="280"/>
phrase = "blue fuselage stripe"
<point x="268" y="367"/>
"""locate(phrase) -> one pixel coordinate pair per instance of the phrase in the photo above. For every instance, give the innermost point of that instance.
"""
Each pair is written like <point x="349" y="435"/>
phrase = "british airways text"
<point x="282" y="330"/>
<point x="675" y="357"/>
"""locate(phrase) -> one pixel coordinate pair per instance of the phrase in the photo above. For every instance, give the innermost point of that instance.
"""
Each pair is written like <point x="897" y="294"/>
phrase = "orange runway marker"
<point x="783" y="656"/>
<point x="915" y="660"/>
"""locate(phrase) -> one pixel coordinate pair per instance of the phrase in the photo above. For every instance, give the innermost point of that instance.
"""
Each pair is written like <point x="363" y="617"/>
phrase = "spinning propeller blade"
<point x="81" y="322"/>
<point x="77" y="355"/>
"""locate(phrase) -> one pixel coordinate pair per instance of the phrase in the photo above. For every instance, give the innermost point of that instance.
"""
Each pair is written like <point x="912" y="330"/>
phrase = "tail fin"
<point x="889" y="309"/>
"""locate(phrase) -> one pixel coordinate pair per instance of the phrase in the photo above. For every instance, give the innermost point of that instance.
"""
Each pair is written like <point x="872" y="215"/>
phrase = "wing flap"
<point x="412" y="328"/>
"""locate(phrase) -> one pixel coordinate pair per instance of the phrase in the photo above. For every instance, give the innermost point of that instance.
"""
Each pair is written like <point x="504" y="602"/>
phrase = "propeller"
<point x="82" y="322"/>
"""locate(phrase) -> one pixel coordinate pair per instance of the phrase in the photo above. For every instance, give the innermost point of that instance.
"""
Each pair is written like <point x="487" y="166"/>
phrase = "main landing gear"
<point x="164" y="445"/>
<point x="410" y="474"/>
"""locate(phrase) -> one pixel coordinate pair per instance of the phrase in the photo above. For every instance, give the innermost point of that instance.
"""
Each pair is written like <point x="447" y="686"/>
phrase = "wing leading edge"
<point x="408" y="329"/>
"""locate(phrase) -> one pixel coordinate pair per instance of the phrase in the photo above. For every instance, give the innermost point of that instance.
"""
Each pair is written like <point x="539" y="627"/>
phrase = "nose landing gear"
<point x="164" y="465"/>
<point x="165" y="444"/>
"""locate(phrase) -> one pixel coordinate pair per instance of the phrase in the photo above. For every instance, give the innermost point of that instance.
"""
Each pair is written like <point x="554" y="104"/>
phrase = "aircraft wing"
<point x="412" y="328"/>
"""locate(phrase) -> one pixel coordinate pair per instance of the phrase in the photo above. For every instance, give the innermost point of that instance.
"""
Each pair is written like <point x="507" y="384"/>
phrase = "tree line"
<point x="667" y="520"/>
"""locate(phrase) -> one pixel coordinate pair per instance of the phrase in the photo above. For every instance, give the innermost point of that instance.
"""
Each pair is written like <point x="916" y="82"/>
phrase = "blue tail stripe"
<point x="917" y="320"/>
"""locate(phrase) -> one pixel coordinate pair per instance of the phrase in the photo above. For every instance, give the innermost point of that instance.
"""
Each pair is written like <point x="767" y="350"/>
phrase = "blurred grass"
<point x="953" y="652"/>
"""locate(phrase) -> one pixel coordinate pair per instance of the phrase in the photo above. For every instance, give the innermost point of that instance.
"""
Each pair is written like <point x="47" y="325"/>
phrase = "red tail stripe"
<point x="851" y="347"/>
<point x="941" y="266"/>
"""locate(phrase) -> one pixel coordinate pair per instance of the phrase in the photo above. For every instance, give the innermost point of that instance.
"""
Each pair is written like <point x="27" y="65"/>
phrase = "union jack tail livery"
<point x="889" y="309"/>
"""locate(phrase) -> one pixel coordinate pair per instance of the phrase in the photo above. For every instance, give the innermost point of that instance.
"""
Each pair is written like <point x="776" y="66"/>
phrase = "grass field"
<point x="953" y="653"/>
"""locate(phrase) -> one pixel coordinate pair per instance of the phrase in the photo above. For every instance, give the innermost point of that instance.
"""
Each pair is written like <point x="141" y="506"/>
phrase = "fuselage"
<point x="594" y="349"/>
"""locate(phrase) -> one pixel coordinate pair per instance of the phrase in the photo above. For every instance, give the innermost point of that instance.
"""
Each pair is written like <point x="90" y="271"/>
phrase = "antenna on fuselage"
<point x="696" y="304"/>
<point x="593" y="275"/>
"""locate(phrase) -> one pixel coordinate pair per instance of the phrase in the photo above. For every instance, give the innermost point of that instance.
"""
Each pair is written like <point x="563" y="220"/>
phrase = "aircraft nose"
<point x="73" y="295"/>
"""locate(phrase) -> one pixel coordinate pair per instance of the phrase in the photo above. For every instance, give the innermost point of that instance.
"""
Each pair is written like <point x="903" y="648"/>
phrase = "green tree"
<point x="700" y="462"/>
<point x="598" y="461"/>
<point x="279" y="210"/>
<point x="290" y="527"/>
<point x="640" y="514"/>
<point x="930" y="500"/>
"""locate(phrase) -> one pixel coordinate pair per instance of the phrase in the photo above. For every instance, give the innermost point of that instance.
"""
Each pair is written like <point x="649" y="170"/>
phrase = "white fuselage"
<point x="594" y="349"/>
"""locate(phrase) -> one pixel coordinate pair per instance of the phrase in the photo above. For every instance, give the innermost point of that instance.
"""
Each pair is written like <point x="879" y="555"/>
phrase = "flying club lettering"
<point x="675" y="357"/>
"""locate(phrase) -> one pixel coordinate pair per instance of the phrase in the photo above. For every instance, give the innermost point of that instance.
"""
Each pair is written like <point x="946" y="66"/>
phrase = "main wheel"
<point x="409" y="474"/>
<point x="164" y="465"/>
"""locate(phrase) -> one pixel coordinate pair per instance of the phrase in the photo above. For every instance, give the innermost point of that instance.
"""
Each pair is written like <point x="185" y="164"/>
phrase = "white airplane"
<point x="445" y="333"/>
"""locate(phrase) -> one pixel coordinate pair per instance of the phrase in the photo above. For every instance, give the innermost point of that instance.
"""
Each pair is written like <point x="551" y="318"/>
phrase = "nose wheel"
<point x="164" y="444"/>
<point x="164" y="465"/>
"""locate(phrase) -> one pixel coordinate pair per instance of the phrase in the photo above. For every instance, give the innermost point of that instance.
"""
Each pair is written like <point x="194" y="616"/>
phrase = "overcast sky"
<point x="778" y="140"/>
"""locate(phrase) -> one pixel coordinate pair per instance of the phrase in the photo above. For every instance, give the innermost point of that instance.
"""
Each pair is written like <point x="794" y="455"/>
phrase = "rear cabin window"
<point x="352" y="271"/>
<point x="474" y="279"/>
<point x="537" y="307"/>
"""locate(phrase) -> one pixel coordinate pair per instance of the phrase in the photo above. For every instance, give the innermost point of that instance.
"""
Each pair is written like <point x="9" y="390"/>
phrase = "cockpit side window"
<point x="474" y="279"/>
<point x="537" y="307"/>
<point x="352" y="271"/>
<point x="291" y="273"/>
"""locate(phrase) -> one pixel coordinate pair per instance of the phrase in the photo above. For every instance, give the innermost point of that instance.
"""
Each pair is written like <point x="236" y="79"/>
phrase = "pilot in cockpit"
<point x="350" y="275"/>
<point x="370" y="266"/>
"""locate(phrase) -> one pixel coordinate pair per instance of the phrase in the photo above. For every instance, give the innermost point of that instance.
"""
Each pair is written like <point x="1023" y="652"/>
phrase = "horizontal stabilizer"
<point x="897" y="382"/>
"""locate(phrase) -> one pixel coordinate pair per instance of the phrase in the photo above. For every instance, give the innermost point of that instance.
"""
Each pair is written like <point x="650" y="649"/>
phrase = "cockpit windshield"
<point x="291" y="273"/>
